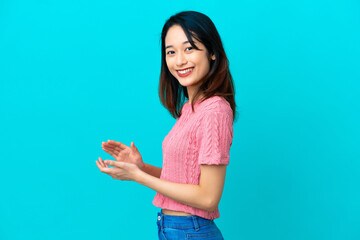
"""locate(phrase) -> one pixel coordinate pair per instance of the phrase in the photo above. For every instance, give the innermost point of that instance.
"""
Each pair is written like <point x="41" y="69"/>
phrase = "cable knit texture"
<point x="200" y="137"/>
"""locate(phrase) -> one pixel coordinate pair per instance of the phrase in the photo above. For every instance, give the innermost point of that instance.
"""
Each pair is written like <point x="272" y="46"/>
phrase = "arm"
<point x="205" y="196"/>
<point x="152" y="170"/>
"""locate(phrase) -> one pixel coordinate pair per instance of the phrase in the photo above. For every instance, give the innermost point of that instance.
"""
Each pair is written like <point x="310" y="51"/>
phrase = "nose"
<point x="181" y="59"/>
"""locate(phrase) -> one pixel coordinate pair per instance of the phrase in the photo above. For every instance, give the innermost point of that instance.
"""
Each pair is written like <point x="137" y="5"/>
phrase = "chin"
<point x="186" y="83"/>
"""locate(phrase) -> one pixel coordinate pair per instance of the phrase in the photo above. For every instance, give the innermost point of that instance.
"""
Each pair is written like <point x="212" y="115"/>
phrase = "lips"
<point x="184" y="72"/>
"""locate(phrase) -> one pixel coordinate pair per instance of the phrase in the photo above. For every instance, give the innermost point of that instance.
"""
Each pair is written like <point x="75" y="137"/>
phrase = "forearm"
<point x="152" y="170"/>
<point x="189" y="194"/>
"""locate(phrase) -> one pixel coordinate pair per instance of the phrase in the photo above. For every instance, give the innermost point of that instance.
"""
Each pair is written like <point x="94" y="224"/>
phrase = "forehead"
<point x="175" y="35"/>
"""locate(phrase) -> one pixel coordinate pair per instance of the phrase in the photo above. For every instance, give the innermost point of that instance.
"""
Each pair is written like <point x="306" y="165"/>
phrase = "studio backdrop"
<point x="76" y="73"/>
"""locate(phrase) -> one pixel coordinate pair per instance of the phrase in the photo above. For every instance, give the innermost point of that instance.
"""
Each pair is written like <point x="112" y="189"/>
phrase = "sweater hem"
<point x="192" y="210"/>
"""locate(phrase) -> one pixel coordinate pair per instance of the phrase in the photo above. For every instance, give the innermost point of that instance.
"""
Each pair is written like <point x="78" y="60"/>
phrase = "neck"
<point x="191" y="98"/>
<point x="191" y="90"/>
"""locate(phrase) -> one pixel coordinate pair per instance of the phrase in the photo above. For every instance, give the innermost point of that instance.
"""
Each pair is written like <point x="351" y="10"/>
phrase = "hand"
<point x="121" y="170"/>
<point x="123" y="153"/>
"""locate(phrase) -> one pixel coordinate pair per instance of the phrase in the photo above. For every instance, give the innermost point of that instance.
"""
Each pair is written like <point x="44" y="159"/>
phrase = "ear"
<point x="212" y="57"/>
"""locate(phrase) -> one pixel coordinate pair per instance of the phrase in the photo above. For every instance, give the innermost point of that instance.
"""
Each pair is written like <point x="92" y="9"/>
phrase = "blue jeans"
<point x="186" y="227"/>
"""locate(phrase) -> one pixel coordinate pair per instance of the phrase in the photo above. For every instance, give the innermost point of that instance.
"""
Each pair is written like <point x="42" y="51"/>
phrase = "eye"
<point x="189" y="48"/>
<point x="170" y="52"/>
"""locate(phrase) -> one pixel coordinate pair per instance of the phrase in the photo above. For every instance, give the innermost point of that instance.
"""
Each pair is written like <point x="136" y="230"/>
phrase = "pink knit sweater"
<point x="200" y="137"/>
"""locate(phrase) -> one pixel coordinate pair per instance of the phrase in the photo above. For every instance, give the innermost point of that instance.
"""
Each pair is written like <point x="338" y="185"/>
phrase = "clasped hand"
<point x="128" y="162"/>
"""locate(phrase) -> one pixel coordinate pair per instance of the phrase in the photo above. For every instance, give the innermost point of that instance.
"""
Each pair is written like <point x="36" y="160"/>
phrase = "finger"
<point x="115" y="154"/>
<point x="98" y="165"/>
<point x="117" y="144"/>
<point x="113" y="150"/>
<point x="101" y="168"/>
<point x="110" y="146"/>
<point x="107" y="145"/>
<point x="116" y="147"/>
<point x="106" y="166"/>
<point x="106" y="170"/>
<point x="102" y="163"/>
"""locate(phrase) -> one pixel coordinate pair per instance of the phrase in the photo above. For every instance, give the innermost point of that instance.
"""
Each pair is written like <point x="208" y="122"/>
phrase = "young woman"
<point x="196" y="151"/>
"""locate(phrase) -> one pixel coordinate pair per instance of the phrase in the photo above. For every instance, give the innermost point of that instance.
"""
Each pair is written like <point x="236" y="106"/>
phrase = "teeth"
<point x="185" y="71"/>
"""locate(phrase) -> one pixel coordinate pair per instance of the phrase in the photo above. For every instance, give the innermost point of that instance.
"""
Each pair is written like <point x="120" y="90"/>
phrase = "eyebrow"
<point x="169" y="46"/>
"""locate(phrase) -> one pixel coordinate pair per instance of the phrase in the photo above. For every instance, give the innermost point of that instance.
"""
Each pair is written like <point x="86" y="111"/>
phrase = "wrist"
<point x="139" y="176"/>
<point x="144" y="167"/>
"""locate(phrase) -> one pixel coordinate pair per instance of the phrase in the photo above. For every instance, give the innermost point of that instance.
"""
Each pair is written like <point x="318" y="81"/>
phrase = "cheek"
<point x="169" y="64"/>
<point x="201" y="61"/>
<point x="205" y="66"/>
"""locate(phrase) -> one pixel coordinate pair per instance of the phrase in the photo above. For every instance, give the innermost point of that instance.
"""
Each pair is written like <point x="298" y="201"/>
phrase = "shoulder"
<point x="215" y="104"/>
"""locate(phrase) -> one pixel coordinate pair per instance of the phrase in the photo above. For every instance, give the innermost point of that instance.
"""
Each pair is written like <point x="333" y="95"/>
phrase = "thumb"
<point x="133" y="146"/>
<point x="114" y="163"/>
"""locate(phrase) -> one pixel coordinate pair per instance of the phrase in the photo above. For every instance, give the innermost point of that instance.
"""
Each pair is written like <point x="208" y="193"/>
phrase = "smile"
<point x="184" y="72"/>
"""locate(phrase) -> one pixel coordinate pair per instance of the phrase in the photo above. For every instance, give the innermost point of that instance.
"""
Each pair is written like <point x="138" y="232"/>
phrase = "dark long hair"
<point x="218" y="81"/>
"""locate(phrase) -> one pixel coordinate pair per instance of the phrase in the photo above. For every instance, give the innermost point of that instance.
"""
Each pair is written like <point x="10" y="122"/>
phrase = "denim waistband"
<point x="182" y="222"/>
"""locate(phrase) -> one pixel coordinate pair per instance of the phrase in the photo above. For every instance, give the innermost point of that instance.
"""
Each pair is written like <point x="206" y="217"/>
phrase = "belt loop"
<point x="161" y="220"/>
<point x="196" y="223"/>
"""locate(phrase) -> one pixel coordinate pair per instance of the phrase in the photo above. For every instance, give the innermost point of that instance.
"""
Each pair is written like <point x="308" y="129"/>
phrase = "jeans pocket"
<point x="207" y="232"/>
<point x="203" y="235"/>
<point x="174" y="233"/>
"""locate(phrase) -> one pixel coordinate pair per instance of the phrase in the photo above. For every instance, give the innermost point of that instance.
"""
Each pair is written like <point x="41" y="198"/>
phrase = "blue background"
<point x="76" y="73"/>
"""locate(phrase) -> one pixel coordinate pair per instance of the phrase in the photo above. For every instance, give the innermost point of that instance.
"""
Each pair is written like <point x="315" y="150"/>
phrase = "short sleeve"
<point x="216" y="133"/>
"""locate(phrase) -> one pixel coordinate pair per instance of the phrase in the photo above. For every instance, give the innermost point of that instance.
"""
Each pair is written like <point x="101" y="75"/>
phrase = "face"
<point x="187" y="64"/>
